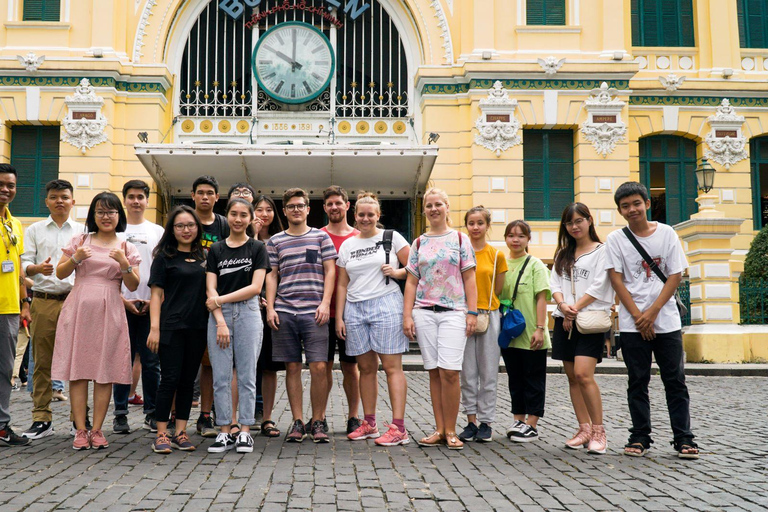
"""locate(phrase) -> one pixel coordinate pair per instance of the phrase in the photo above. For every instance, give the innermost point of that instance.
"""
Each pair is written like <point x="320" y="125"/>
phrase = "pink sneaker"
<point x="581" y="438"/>
<point x="98" y="441"/>
<point x="393" y="437"/>
<point x="364" y="431"/>
<point x="81" y="440"/>
<point x="599" y="443"/>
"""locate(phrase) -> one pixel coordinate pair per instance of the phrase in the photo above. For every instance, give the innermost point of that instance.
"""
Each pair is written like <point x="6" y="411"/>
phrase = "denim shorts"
<point x="296" y="332"/>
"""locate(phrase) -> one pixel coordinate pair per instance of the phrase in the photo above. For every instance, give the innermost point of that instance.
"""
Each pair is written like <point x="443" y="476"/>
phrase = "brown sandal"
<point x="434" y="439"/>
<point x="453" y="441"/>
<point x="269" y="429"/>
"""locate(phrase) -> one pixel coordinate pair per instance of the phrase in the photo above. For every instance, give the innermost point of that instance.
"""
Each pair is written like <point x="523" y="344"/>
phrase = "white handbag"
<point x="590" y="322"/>
<point x="484" y="317"/>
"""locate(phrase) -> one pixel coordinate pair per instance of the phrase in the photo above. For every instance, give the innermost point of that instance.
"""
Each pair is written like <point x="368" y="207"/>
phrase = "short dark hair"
<point x="630" y="188"/>
<point x="205" y="180"/>
<point x="59" y="185"/>
<point x="108" y="200"/>
<point x="140" y="184"/>
<point x="295" y="192"/>
<point x="8" y="169"/>
<point x="241" y="185"/>
<point x="335" y="190"/>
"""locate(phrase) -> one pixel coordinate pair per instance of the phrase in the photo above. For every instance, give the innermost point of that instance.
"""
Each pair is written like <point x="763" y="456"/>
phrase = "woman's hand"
<point x="119" y="256"/>
<point x="388" y="270"/>
<point x="341" y="329"/>
<point x="83" y="253"/>
<point x="153" y="340"/>
<point x="567" y="325"/>
<point x="569" y="312"/>
<point x="537" y="340"/>
<point x="222" y="335"/>
<point x="471" y="325"/>
<point x="409" y="328"/>
<point x="210" y="303"/>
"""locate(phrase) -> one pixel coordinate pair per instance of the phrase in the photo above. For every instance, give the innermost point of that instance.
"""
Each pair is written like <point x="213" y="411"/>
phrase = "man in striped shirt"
<point x="298" y="308"/>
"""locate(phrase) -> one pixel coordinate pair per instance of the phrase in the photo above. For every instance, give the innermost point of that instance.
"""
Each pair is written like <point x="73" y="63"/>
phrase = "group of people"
<point x="226" y="302"/>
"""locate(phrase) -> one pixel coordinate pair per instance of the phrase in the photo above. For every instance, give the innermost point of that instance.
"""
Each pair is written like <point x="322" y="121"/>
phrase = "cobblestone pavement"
<point x="728" y="418"/>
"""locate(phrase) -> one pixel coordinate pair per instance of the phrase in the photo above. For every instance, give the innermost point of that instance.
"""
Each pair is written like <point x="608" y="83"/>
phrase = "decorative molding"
<point x="671" y="82"/>
<point x="604" y="127"/>
<point x="551" y="65"/>
<point x="31" y="61"/>
<point x="84" y="124"/>
<point x="141" y="30"/>
<point x="696" y="101"/>
<point x="73" y="81"/>
<point x="525" y="84"/>
<point x="497" y="127"/>
<point x="445" y="31"/>
<point x="727" y="145"/>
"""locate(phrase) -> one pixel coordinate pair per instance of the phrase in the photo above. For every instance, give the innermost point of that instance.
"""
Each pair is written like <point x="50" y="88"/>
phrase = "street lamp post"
<point x="705" y="181"/>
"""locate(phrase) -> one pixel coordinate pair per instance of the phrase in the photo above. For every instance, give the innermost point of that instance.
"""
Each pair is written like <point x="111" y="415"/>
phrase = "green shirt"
<point x="535" y="280"/>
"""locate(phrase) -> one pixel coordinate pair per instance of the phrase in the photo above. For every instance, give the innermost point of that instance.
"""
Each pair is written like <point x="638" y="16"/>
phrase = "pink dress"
<point x="92" y="340"/>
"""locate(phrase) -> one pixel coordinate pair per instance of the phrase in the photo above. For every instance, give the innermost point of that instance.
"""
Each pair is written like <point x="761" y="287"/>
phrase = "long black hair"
<point x="106" y="200"/>
<point x="565" y="254"/>
<point x="277" y="225"/>
<point x="168" y="246"/>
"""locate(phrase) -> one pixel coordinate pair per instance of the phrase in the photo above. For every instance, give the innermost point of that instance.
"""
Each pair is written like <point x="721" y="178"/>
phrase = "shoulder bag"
<point x="512" y="320"/>
<point x="484" y="317"/>
<point x="589" y="322"/>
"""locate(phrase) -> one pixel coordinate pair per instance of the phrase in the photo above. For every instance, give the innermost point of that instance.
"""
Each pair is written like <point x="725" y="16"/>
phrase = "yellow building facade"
<point x="520" y="105"/>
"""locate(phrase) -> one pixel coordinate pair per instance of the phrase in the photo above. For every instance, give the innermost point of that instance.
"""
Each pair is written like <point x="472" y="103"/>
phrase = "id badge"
<point x="8" y="266"/>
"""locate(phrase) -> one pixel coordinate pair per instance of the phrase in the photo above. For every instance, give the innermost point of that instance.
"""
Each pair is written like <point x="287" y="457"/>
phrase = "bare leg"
<point x="369" y="387"/>
<point x="436" y="394"/>
<point x="293" y="387"/>
<point x="579" y="407"/>
<point x="584" y="372"/>
<point x="396" y="382"/>
<point x="78" y="396"/>
<point x="268" y="391"/>
<point x="206" y="389"/>
<point x="136" y="375"/>
<point x="102" y="393"/>
<point x="318" y="389"/>
<point x="532" y="420"/>
<point x="351" y="387"/>
<point x="450" y="397"/>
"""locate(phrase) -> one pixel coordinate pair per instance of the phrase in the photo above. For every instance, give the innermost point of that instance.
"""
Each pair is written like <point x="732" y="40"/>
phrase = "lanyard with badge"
<point x="8" y="264"/>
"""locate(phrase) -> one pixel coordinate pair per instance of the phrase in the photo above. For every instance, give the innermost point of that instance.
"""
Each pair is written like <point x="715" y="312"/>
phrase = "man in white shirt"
<point x="42" y="251"/>
<point x="145" y="236"/>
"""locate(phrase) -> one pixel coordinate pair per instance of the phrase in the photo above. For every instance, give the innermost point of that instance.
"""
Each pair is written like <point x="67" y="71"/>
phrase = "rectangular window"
<point x="545" y="12"/>
<point x="547" y="173"/>
<point x="35" y="155"/>
<point x="662" y="23"/>
<point x="753" y="23"/>
<point x="42" y="10"/>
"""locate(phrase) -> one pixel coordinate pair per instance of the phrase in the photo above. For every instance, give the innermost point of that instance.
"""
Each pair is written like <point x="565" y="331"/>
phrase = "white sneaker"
<point x="516" y="427"/>
<point x="244" y="443"/>
<point x="224" y="442"/>
<point x="526" y="434"/>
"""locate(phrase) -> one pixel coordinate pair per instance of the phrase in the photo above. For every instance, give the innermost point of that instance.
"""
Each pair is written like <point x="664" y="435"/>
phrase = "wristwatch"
<point x="540" y="327"/>
<point x="127" y="270"/>
<point x="28" y="300"/>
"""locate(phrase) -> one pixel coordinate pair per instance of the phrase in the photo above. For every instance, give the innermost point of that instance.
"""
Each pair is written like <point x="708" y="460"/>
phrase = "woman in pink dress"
<point x="92" y="341"/>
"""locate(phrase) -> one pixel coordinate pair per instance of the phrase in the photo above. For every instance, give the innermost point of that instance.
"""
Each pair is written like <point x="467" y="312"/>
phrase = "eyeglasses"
<point x="103" y="214"/>
<point x="293" y="207"/>
<point x="241" y="193"/>
<point x="575" y="222"/>
<point x="182" y="227"/>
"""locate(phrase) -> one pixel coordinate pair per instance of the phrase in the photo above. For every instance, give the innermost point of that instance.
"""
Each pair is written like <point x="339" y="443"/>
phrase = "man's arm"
<point x="323" y="313"/>
<point x="272" y="318"/>
<point x="617" y="281"/>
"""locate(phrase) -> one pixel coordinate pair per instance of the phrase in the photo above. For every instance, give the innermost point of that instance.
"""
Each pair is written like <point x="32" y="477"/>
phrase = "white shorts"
<point x="441" y="337"/>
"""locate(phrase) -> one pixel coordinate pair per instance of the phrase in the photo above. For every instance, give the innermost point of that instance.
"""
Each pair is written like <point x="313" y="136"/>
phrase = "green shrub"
<point x="756" y="264"/>
<point x="753" y="284"/>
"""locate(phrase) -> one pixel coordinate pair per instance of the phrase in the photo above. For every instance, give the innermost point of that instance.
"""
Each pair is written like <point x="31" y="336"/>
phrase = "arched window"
<point x="667" y="163"/>
<point x="758" y="159"/>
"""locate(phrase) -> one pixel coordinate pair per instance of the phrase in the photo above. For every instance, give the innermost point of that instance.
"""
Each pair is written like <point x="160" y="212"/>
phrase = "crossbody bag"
<point x="512" y="320"/>
<point x="589" y="322"/>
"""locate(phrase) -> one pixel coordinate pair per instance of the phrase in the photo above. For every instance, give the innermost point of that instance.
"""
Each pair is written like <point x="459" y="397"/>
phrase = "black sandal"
<point x="686" y="445"/>
<point x="641" y="444"/>
<point x="232" y="429"/>
<point x="268" y="428"/>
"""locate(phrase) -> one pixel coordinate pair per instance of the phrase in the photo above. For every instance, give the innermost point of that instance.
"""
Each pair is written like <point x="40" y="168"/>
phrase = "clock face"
<point x="293" y="62"/>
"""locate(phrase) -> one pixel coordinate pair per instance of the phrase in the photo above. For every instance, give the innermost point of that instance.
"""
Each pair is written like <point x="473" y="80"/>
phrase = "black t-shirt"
<point x="214" y="232"/>
<point x="235" y="267"/>
<point x="183" y="281"/>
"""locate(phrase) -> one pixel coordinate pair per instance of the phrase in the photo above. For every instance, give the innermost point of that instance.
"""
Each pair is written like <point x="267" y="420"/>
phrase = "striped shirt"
<point x="299" y="261"/>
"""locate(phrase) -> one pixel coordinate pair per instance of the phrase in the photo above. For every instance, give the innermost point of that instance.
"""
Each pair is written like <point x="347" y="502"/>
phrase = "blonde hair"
<point x="368" y="198"/>
<point x="434" y="191"/>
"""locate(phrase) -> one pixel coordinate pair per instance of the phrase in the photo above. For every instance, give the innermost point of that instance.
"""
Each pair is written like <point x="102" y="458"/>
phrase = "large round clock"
<point x="293" y="62"/>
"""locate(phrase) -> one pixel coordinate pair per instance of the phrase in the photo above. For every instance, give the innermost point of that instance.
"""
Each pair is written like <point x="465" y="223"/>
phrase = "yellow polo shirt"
<point x="9" y="281"/>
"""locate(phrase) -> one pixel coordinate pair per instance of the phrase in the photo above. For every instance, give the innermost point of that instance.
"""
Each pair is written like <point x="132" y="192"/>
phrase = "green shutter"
<point x="545" y="12"/>
<point x="753" y="23"/>
<point x="533" y="174"/>
<point x="742" y="23"/>
<point x="685" y="27"/>
<point x="547" y="173"/>
<point x="42" y="10"/>
<point x="662" y="23"/>
<point x="35" y="155"/>
<point x="758" y="157"/>
<point x="678" y="155"/>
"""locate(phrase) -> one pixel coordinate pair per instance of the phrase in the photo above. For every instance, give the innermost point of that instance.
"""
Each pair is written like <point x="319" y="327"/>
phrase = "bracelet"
<point x="216" y="302"/>
<point x="473" y="313"/>
<point x="539" y="327"/>
<point x="75" y="261"/>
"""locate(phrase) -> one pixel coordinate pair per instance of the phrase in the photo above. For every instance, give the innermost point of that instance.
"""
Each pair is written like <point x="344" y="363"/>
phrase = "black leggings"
<point x="527" y="371"/>
<point x="180" y="354"/>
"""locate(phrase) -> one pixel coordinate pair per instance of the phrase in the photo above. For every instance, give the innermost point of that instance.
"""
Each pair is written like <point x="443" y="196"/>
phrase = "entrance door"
<point x="667" y="163"/>
<point x="758" y="159"/>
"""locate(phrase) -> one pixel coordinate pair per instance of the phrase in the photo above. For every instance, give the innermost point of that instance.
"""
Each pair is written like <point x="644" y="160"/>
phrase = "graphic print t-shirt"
<point x="183" y="282"/>
<point x="235" y="266"/>
<point x="214" y="232"/>
<point x="145" y="237"/>
<point x="362" y="258"/>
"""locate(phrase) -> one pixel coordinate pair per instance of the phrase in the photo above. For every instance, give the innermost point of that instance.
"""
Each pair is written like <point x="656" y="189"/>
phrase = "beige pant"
<point x="45" y="316"/>
<point x="21" y="347"/>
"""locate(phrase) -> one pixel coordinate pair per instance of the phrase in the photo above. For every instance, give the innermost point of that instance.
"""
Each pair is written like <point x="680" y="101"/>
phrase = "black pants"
<point x="668" y="349"/>
<point x="180" y="354"/>
<point x="527" y="371"/>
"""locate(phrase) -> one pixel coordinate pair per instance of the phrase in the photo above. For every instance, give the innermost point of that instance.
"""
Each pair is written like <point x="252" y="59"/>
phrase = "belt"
<point x="50" y="296"/>
<point x="437" y="309"/>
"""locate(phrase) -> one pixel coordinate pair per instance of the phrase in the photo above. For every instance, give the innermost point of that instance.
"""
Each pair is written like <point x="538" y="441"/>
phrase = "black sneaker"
<point x="224" y="442"/>
<point x="325" y="426"/>
<point x="526" y="434"/>
<point x="38" y="430"/>
<point x="296" y="433"/>
<point x="9" y="438"/>
<point x="469" y="432"/>
<point x="205" y="426"/>
<point x="150" y="423"/>
<point x="120" y="425"/>
<point x="484" y="433"/>
<point x="244" y="443"/>
<point x="318" y="432"/>
<point x="352" y="424"/>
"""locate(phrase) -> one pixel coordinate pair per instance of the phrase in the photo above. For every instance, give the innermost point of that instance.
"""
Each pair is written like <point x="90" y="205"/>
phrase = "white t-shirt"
<point x="145" y="237"/>
<point x="590" y="276"/>
<point x="362" y="258"/>
<point x="642" y="283"/>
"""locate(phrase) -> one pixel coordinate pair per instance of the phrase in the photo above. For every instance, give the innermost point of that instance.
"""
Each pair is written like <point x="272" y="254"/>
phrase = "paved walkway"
<point x="728" y="417"/>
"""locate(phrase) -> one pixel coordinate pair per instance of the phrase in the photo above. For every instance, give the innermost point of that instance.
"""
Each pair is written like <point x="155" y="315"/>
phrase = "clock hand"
<point x="294" y="65"/>
<point x="293" y="32"/>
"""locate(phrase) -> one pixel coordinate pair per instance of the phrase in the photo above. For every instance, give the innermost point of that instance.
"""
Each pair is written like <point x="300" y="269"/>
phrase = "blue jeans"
<point x="138" y="330"/>
<point x="56" y="384"/>
<point x="246" y="331"/>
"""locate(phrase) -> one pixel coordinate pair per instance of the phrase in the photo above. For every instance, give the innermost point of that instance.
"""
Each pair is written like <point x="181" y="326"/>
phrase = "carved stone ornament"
<point x="727" y="145"/>
<point x="445" y="31"/>
<point x="551" y="65"/>
<point x="31" y="61"/>
<point x="497" y="127"/>
<point x="84" y="124"/>
<point x="671" y="82"/>
<point x="604" y="127"/>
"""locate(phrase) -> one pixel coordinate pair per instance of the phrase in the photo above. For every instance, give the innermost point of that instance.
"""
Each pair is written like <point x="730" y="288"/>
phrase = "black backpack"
<point x="386" y="243"/>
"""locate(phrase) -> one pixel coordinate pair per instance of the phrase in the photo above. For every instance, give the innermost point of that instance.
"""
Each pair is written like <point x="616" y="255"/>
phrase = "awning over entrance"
<point x="393" y="172"/>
